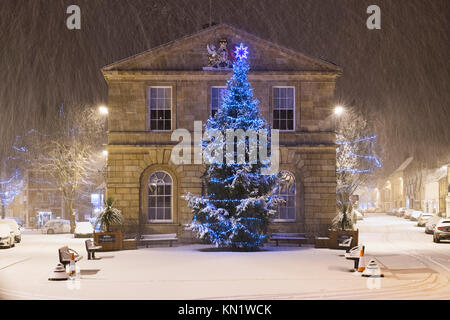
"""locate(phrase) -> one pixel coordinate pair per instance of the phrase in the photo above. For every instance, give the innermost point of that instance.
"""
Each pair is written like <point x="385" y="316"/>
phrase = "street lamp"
<point x="103" y="110"/>
<point x="338" y="110"/>
<point x="105" y="153"/>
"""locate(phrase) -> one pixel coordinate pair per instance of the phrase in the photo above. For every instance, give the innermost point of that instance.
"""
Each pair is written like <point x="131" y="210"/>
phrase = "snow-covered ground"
<point x="413" y="265"/>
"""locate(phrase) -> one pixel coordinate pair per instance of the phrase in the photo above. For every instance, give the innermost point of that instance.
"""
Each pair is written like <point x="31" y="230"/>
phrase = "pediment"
<point x="190" y="53"/>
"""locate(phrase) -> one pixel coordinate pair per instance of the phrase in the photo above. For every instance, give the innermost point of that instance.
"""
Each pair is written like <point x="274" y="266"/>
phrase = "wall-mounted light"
<point x="338" y="110"/>
<point x="103" y="110"/>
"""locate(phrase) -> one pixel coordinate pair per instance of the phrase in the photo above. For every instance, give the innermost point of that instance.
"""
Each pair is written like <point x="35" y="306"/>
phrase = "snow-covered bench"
<point x="354" y="254"/>
<point x="289" y="237"/>
<point x="65" y="253"/>
<point x="346" y="244"/>
<point x="148" y="238"/>
<point x="91" y="248"/>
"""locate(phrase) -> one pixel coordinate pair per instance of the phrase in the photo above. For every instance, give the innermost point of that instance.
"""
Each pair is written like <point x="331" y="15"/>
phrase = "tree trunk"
<point x="69" y="210"/>
<point x="3" y="210"/>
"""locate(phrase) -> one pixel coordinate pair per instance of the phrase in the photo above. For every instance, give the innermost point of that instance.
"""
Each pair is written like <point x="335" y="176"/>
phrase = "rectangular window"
<point x="160" y="106"/>
<point x="217" y="95"/>
<point x="283" y="108"/>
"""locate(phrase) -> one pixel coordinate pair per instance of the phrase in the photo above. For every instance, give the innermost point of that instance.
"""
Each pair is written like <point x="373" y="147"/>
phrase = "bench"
<point x="91" y="248"/>
<point x="353" y="254"/>
<point x="294" y="237"/>
<point x="65" y="253"/>
<point x="346" y="244"/>
<point x="148" y="238"/>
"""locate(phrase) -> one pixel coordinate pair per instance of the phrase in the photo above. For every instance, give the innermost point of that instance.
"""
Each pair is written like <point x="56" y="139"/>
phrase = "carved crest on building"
<point x="220" y="57"/>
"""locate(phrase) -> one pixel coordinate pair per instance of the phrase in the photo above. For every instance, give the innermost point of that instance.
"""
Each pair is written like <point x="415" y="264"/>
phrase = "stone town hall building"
<point x="168" y="87"/>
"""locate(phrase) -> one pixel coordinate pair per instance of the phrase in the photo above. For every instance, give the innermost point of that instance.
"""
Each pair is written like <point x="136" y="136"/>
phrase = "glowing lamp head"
<point x="105" y="153"/>
<point x="103" y="110"/>
<point x="338" y="110"/>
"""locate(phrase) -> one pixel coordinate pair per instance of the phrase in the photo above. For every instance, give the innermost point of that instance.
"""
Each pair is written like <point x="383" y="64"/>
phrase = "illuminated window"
<point x="217" y="96"/>
<point x="283" y="108"/>
<point x="160" y="106"/>
<point x="159" y="197"/>
<point x="286" y="191"/>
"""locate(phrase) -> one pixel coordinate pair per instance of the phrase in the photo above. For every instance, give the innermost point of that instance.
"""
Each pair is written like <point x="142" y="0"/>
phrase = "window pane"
<point x="290" y="125"/>
<point x="167" y="93"/>
<point x="291" y="214"/>
<point x="152" y="202"/>
<point x="152" y="214"/>
<point x="160" y="214"/>
<point x="276" y="124"/>
<point x="276" y="114"/>
<point x="167" y="214"/>
<point x="167" y="201"/>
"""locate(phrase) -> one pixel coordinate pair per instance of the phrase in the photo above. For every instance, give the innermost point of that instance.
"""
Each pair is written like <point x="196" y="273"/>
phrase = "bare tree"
<point x="71" y="155"/>
<point x="355" y="159"/>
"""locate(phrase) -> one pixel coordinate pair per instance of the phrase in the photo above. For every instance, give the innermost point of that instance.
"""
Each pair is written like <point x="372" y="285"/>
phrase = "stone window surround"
<point x="272" y="103"/>
<point x="270" y="85"/>
<point x="210" y="96"/>
<point x="173" y="110"/>
<point x="295" y="200"/>
<point x="171" y="199"/>
<point x="144" y="194"/>
<point x="149" y="107"/>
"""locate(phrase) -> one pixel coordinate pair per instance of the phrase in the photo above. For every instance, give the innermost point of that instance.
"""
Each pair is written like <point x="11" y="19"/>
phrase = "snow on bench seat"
<point x="147" y="238"/>
<point x="295" y="237"/>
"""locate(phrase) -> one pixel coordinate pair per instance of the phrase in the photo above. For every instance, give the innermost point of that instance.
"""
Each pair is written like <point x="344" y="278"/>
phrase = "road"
<point x="414" y="268"/>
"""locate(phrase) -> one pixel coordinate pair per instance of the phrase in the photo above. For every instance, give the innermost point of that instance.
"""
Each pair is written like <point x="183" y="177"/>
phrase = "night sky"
<point x="399" y="75"/>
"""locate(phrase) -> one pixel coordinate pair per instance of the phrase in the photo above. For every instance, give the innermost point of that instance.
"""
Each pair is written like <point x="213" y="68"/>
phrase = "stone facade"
<point x="135" y="152"/>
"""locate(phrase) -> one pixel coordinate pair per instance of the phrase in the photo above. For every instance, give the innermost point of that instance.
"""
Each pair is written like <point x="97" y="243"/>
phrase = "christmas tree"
<point x="237" y="208"/>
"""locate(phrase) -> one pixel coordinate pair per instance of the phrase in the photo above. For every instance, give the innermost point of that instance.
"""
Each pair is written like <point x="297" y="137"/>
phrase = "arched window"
<point x="159" y="197"/>
<point x="286" y="191"/>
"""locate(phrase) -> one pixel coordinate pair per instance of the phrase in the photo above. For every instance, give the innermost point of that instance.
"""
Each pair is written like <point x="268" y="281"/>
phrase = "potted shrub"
<point x="109" y="217"/>
<point x="343" y="226"/>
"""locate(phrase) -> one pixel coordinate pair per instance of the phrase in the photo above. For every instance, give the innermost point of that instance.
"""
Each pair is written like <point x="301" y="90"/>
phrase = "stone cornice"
<point x="145" y="75"/>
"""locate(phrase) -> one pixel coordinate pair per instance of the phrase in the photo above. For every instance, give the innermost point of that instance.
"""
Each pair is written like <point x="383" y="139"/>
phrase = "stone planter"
<point x="337" y="236"/>
<point x="110" y="241"/>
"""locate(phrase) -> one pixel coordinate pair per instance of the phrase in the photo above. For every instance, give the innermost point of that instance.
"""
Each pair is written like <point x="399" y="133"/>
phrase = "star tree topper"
<point x="241" y="52"/>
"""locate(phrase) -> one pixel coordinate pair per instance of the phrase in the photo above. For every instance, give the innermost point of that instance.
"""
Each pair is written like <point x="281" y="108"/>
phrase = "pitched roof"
<point x="404" y="165"/>
<point x="135" y="61"/>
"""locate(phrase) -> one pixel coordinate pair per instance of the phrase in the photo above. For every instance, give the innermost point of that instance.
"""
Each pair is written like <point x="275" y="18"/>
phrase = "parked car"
<point x="17" y="219"/>
<point x="6" y="236"/>
<point x="371" y="209"/>
<point x="84" y="230"/>
<point x="424" y="218"/>
<point x="432" y="222"/>
<point x="415" y="215"/>
<point x="14" y="227"/>
<point x="400" y="212"/>
<point x="408" y="213"/>
<point x="442" y="230"/>
<point x="56" y="226"/>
